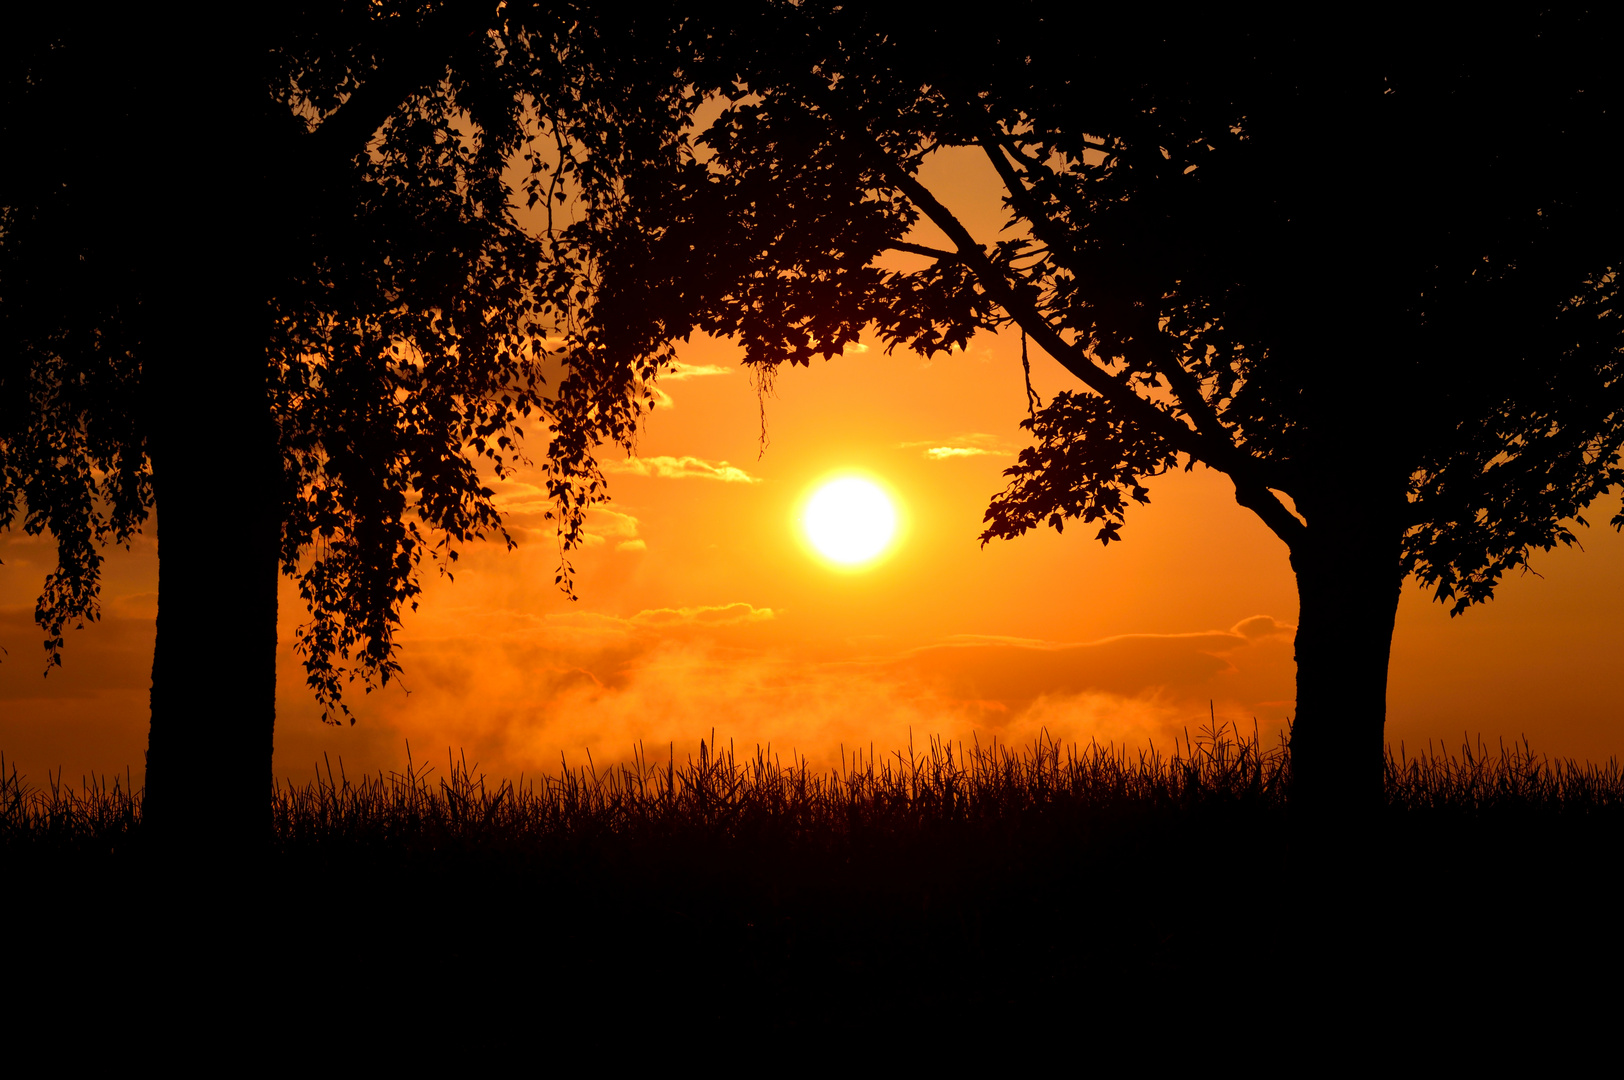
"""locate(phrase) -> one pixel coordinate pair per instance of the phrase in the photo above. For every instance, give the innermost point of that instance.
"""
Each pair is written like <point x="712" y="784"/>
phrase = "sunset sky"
<point x="701" y="608"/>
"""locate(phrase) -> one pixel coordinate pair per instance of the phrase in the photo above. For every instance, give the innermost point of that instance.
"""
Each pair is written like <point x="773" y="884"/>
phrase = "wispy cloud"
<point x="660" y="619"/>
<point x="525" y="505"/>
<point x="943" y="453"/>
<point x="1016" y="672"/>
<point x="604" y="524"/>
<point x="679" y="371"/>
<point x="971" y="444"/>
<point x="681" y="468"/>
<point x="704" y="615"/>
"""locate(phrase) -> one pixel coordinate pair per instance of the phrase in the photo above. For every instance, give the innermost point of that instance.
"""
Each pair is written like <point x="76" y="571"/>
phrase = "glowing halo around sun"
<point x="850" y="521"/>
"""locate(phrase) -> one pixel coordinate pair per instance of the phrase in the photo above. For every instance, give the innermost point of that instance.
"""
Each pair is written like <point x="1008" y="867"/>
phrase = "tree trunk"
<point x="214" y="664"/>
<point x="1348" y="585"/>
<point x="213" y="445"/>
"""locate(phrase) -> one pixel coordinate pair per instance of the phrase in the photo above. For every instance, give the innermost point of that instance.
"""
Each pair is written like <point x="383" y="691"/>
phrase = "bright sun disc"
<point x="849" y="520"/>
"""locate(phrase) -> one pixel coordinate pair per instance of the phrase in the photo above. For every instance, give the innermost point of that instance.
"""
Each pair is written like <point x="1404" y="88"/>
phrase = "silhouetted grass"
<point x="748" y="799"/>
<point x="726" y="796"/>
<point x="1045" y="880"/>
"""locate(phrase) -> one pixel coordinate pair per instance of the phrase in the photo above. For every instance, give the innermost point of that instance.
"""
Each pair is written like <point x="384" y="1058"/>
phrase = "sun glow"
<point x="850" y="521"/>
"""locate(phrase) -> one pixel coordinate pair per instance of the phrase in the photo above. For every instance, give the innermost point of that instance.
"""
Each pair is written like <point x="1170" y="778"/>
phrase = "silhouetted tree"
<point x="1367" y="267"/>
<point x="1367" y="271"/>
<point x="271" y="279"/>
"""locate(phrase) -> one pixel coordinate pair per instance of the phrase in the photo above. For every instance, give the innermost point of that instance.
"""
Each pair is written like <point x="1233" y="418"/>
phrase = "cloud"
<point x="971" y="444"/>
<point x="718" y="615"/>
<point x="517" y="688"/>
<point x="525" y="506"/>
<point x="568" y="682"/>
<point x="658" y="619"/>
<point x="1261" y="627"/>
<point x="1017" y="674"/>
<point x="657" y="688"/>
<point x="678" y="371"/>
<point x="681" y="468"/>
<point x="604" y="524"/>
<point x="631" y="545"/>
<point x="942" y="453"/>
<point x="973" y="438"/>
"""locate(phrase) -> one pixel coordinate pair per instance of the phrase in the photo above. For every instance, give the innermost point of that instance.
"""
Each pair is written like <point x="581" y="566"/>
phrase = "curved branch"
<point x="1183" y="384"/>
<point x="1251" y="490"/>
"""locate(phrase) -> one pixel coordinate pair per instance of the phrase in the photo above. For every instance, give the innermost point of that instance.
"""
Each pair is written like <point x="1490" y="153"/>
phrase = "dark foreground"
<point x="1064" y="893"/>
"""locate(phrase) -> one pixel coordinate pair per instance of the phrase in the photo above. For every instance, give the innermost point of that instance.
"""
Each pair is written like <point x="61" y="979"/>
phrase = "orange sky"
<point x="699" y="609"/>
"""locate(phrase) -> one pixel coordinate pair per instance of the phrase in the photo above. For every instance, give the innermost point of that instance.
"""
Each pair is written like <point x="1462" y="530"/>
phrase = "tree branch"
<point x="1267" y="506"/>
<point x="1251" y="490"/>
<point x="1186" y="389"/>
<point x="1220" y="453"/>
<point x="411" y="59"/>
<point x="921" y="249"/>
<point x="1102" y="382"/>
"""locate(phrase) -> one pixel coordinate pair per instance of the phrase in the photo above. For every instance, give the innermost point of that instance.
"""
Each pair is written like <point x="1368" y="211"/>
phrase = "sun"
<point x="850" y="521"/>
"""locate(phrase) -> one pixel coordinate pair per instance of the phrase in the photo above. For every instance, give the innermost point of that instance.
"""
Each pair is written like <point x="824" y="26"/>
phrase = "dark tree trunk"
<point x="214" y="665"/>
<point x="1348" y="584"/>
<point x="213" y="446"/>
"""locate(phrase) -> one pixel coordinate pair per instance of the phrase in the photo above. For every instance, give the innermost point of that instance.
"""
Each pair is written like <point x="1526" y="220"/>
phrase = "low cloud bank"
<point x="534" y="693"/>
<point x="521" y="691"/>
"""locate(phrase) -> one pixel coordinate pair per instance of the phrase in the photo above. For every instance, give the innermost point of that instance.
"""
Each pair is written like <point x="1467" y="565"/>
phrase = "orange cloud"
<point x="679" y="371"/>
<point x="524" y="506"/>
<point x="705" y="615"/>
<point x="1018" y="673"/>
<point x="943" y="453"/>
<point x="719" y="615"/>
<point x="604" y="524"/>
<point x="681" y="468"/>
<point x="971" y="444"/>
<point x="524" y="690"/>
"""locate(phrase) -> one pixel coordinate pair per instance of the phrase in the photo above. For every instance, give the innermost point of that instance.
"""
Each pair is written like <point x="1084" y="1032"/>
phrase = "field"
<point x="1043" y="884"/>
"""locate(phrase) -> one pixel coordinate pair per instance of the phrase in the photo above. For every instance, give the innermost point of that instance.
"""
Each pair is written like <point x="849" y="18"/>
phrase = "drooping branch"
<point x="1087" y="463"/>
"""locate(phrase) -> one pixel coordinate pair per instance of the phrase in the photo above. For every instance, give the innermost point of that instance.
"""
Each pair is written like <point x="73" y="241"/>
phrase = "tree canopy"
<point x="345" y="258"/>
<point x="1368" y="271"/>
<point x="410" y="200"/>
<point x="297" y="290"/>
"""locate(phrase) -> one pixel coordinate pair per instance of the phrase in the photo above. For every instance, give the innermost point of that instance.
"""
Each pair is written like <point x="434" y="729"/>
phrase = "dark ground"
<point x="1229" y="922"/>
